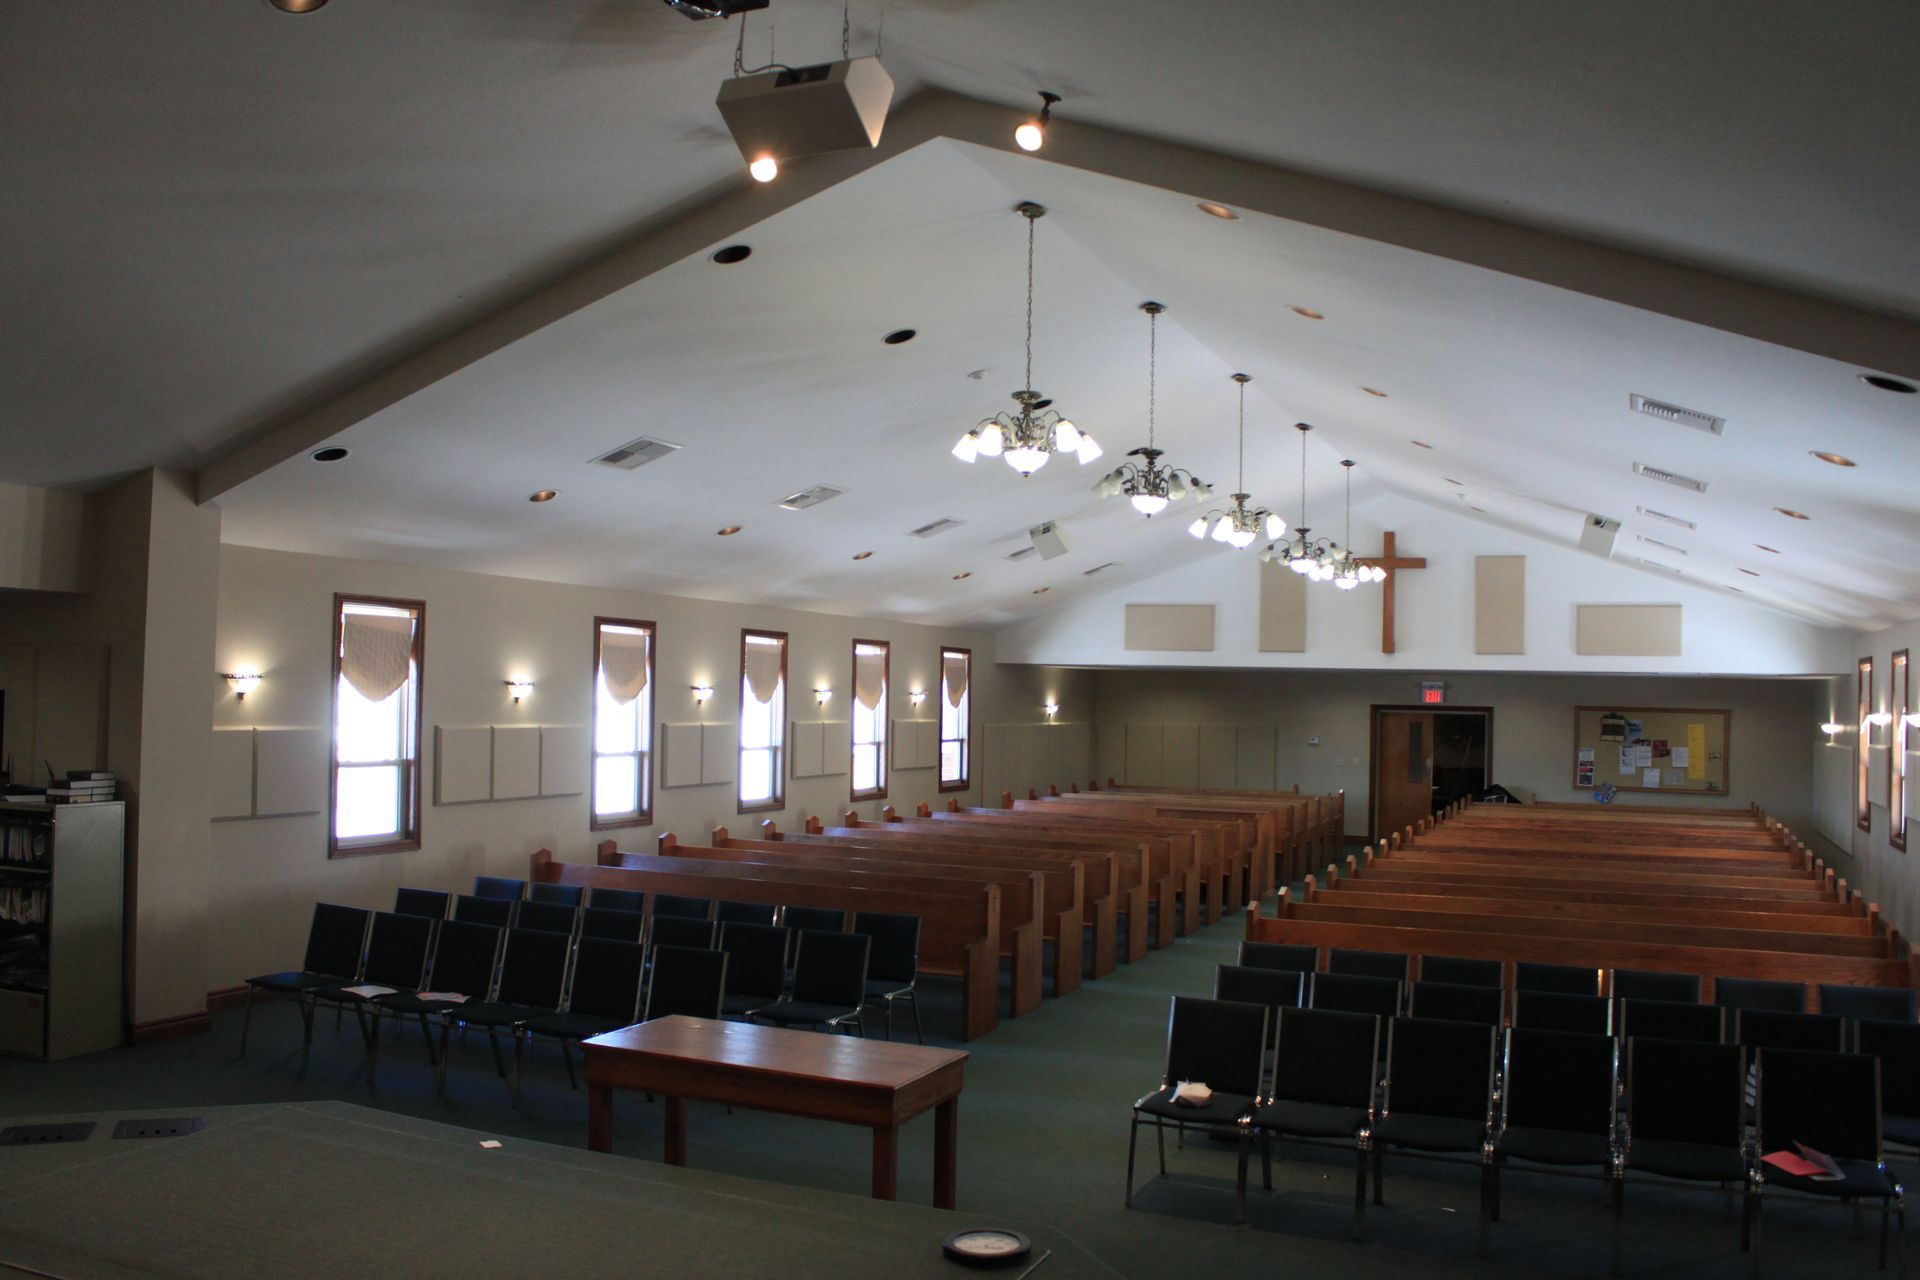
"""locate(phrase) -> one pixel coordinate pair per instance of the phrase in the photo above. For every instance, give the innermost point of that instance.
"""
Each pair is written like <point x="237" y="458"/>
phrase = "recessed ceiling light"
<point x="332" y="453"/>
<point x="543" y="495"/>
<point x="1216" y="210"/>
<point x="1888" y="384"/>
<point x="1750" y="573"/>
<point x="730" y="530"/>
<point x="899" y="336"/>
<point x="862" y="555"/>
<point x="1374" y="391"/>
<point x="297" y="6"/>
<point x="1308" y="312"/>
<point x="1793" y="515"/>
<point x="961" y="577"/>
<point x="1769" y="550"/>
<point x="731" y="254"/>
<point x="1040" y="591"/>
<point x="1420" y="444"/>
<point x="1837" y="459"/>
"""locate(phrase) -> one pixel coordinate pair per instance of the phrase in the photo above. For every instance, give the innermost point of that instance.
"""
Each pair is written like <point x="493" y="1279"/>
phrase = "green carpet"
<point x="1043" y="1133"/>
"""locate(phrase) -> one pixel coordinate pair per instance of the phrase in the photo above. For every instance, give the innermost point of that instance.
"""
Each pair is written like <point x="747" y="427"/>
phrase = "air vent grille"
<point x="1655" y="564"/>
<point x="809" y="497"/>
<point x="1100" y="568"/>
<point x="939" y="526"/>
<point x="1021" y="554"/>
<point x="1664" y="546"/>
<point x="1674" y="413"/>
<point x="1670" y="477"/>
<point x="635" y="454"/>
<point x="1651" y="514"/>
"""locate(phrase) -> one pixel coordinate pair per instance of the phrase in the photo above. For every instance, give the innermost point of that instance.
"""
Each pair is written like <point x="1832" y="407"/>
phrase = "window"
<point x="622" y="722"/>
<point x="377" y="650"/>
<point x="1897" y="694"/>
<point x="956" y="716"/>
<point x="763" y="719"/>
<point x="1863" y="813"/>
<point x="869" y="720"/>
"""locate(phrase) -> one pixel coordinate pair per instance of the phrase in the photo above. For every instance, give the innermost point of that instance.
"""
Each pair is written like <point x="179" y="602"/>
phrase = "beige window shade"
<point x="763" y="670"/>
<point x="955" y="669"/>
<point x="376" y="652"/>
<point x="623" y="663"/>
<point x="869" y="678"/>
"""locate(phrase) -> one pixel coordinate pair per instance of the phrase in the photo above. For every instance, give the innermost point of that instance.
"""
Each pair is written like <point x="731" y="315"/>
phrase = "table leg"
<point x="946" y="1151"/>
<point x="886" y="1162"/>
<point x="599" y="1117"/>
<point x="676" y="1114"/>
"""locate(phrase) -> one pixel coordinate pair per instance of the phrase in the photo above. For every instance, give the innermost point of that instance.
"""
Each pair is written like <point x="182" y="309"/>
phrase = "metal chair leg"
<point x="493" y="1042"/>
<point x="1266" y="1162"/>
<point x="1133" y="1134"/>
<point x="306" y="1034"/>
<point x="913" y="1002"/>
<point x="1160" y="1133"/>
<point x="1489" y="1179"/>
<point x="1619" y="1198"/>
<point x="1240" y="1182"/>
<point x="1361" y="1154"/>
<point x="373" y="1048"/>
<point x="426" y="1034"/>
<point x="440" y="1072"/>
<point x="246" y="1023"/>
<point x="566" y="1056"/>
<point x="519" y="1045"/>
<point x="1379" y="1173"/>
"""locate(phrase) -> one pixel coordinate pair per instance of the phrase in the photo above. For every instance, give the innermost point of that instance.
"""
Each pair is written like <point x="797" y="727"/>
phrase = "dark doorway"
<point x="1423" y="758"/>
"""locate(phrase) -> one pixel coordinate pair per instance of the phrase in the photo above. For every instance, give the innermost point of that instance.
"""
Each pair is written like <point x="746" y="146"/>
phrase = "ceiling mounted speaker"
<point x="1048" y="540"/>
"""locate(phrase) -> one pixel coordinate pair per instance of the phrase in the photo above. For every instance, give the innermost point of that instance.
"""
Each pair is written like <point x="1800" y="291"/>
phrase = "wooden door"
<point x="1402" y="770"/>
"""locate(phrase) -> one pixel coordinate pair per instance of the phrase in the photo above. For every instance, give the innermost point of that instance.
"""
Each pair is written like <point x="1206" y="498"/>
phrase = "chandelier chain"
<point x="1029" y="383"/>
<point x="846" y="28"/>
<point x="1348" y="535"/>
<point x="1153" y="365"/>
<point x="1242" y="472"/>
<point x="1303" y="480"/>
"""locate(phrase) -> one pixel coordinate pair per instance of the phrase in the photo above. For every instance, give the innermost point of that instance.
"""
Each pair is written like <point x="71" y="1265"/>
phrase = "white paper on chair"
<point x="368" y="990"/>
<point x="1192" y="1093"/>
<point x="444" y="997"/>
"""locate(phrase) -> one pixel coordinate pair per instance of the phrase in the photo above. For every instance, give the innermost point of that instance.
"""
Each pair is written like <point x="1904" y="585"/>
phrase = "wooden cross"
<point x="1392" y="563"/>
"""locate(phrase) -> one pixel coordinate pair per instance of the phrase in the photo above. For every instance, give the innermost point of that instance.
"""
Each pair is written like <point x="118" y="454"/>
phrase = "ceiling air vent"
<point x="1100" y="568"/>
<point x="939" y="526"/>
<point x="1651" y="514"/>
<point x="1664" y="546"/>
<point x="1674" y="413"/>
<point x="1022" y="553"/>
<point x="809" y="497"/>
<point x="1669" y="477"/>
<point x="636" y="453"/>
<point x="1655" y="564"/>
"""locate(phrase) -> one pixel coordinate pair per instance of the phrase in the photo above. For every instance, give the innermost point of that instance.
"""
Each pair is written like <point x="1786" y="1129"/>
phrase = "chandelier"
<point x="1322" y="559"/>
<point x="1238" y="527"/>
<point x="1030" y="435"/>
<point x="1148" y="485"/>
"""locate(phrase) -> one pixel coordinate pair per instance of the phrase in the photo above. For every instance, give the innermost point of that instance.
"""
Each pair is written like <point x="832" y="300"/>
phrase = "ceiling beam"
<point x="1869" y="340"/>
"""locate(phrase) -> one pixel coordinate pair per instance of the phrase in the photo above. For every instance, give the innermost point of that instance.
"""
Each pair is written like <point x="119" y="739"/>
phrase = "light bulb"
<point x="1198" y="528"/>
<point x="1066" y="436"/>
<point x="1221" y="529"/>
<point x="1347" y="584"/>
<point x="992" y="440"/>
<point x="1026" y="459"/>
<point x="1276" y="527"/>
<point x="1240" y="539"/>
<point x="1176" y="488"/>
<point x="1149" y="504"/>
<point x="1266" y="555"/>
<point x="1300" y="566"/>
<point x="1029" y="136"/>
<point x="1087" y="449"/>
<point x="1201" y="490"/>
<point x="764" y="169"/>
<point x="1831" y="727"/>
<point x="1379" y="574"/>
<point x="969" y="447"/>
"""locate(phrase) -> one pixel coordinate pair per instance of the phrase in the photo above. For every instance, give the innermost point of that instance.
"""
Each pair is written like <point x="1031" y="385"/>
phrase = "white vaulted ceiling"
<point x="232" y="217"/>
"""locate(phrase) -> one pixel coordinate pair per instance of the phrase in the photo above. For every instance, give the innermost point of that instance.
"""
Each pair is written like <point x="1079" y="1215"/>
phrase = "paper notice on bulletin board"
<point x="1650" y="778"/>
<point x="1696" y="761"/>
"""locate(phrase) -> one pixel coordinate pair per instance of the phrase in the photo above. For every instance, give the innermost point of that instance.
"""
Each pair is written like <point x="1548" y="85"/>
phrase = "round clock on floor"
<point x="987" y="1247"/>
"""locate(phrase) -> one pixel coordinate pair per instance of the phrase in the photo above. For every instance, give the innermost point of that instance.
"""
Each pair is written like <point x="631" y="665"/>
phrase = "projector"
<point x="1048" y="540"/>
<point x="803" y="111"/>
<point x="1598" y="533"/>
<point x="701" y="9"/>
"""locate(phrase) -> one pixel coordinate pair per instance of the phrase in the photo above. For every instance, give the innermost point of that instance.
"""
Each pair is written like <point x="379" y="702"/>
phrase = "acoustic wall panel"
<point x="1163" y="627"/>
<point x="915" y="744"/>
<point x="1145" y="750"/>
<point x="563" y="760"/>
<point x="1256" y="757"/>
<point x="682" y="745"/>
<point x="1180" y="758"/>
<point x="836" y="747"/>
<point x="230" y="773"/>
<point x="1069" y="755"/>
<point x="516" y="762"/>
<point x="804" y="749"/>
<point x="463" y="764"/>
<point x="1283" y="609"/>
<point x="1499" y="604"/>
<point x="290" y="771"/>
<point x="1627" y="630"/>
<point x="1218" y="748"/>
<point x="719" y="753"/>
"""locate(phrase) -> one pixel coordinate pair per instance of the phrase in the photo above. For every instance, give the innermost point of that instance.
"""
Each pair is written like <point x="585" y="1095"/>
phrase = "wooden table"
<point x="874" y="1083"/>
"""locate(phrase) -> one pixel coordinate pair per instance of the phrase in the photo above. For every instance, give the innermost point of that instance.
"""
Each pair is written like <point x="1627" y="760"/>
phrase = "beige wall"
<point x="1771" y="758"/>
<point x="275" y="611"/>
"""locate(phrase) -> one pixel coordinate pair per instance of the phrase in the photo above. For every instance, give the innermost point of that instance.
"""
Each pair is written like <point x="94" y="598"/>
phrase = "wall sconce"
<point x="1830" y="728"/>
<point x="1051" y="708"/>
<point x="1881" y="719"/>
<point x="701" y="692"/>
<point x="917" y="696"/>
<point x="241" y="682"/>
<point x="519" y="688"/>
<point x="822" y="695"/>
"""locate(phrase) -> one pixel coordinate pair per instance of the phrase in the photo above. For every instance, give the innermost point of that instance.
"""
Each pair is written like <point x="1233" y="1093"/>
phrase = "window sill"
<point x="338" y="850"/>
<point x="616" y="824"/>
<point x="963" y="785"/>
<point x="763" y="806"/>
<point x="880" y="794"/>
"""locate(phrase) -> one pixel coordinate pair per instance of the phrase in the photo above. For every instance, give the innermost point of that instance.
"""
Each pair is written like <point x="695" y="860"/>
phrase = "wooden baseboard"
<point x="227" y="998"/>
<point x="186" y="1024"/>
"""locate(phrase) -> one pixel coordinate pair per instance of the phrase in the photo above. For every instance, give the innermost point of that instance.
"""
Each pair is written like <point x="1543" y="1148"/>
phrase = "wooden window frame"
<point x="782" y="757"/>
<point x="1899" y="688"/>
<point x="410" y="838"/>
<point x="1862" y="756"/>
<point x="645" y="815"/>
<point x="966" y="738"/>
<point x="884" y="712"/>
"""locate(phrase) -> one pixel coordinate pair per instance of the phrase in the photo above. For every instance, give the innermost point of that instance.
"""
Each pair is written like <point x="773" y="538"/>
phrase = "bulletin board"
<point x="1654" y="749"/>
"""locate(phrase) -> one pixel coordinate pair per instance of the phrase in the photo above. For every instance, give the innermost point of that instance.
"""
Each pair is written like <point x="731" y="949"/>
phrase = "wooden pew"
<point x="1229" y="837"/>
<point x="1313" y="827"/>
<point x="959" y="924"/>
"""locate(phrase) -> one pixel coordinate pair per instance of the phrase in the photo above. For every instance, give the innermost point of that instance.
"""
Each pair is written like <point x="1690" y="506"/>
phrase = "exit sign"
<point x="1433" y="691"/>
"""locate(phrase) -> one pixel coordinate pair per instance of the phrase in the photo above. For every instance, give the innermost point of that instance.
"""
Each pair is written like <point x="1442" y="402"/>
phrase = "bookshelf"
<point x="62" y="883"/>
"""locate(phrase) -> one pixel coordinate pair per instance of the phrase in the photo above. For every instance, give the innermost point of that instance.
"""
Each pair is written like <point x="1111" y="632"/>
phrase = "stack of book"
<point x="83" y="786"/>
